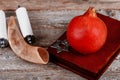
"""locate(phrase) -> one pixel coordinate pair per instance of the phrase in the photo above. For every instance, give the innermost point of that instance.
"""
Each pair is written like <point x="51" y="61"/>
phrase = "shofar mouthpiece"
<point x="22" y="49"/>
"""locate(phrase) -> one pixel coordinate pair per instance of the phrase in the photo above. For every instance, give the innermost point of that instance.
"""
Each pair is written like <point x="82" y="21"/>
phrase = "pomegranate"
<point x="87" y="33"/>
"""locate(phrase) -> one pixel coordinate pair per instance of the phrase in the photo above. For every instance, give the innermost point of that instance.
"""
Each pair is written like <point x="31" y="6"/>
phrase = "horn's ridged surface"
<point x="22" y="49"/>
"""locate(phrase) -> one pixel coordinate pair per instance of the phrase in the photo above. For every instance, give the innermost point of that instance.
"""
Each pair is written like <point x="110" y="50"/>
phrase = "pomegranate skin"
<point x="87" y="33"/>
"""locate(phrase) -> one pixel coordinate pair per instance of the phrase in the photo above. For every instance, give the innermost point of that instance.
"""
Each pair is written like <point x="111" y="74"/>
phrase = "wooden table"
<point x="49" y="19"/>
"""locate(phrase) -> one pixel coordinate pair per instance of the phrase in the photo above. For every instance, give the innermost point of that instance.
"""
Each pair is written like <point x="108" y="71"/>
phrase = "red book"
<point x="89" y="66"/>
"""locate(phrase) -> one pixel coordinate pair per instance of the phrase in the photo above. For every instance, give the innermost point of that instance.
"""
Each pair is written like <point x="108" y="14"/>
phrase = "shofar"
<point x="22" y="49"/>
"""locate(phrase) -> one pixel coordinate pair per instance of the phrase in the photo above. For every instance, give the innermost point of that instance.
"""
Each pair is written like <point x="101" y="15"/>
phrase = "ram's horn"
<point x="22" y="49"/>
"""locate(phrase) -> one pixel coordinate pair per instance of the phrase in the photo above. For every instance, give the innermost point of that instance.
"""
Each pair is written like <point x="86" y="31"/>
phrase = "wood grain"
<point x="58" y="4"/>
<point x="49" y="19"/>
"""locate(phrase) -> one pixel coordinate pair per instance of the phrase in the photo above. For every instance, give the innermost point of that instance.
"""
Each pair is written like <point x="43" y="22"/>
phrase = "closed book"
<point x="89" y="66"/>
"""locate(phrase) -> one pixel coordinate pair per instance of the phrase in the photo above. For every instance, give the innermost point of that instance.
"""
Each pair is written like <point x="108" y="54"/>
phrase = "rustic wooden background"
<point x="49" y="19"/>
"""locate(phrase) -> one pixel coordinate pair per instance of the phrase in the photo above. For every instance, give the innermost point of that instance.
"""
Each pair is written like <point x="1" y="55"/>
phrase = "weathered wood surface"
<point x="49" y="19"/>
<point x="59" y="4"/>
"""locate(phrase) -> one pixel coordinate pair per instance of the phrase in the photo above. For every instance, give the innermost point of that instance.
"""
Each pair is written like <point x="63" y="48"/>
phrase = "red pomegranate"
<point x="87" y="33"/>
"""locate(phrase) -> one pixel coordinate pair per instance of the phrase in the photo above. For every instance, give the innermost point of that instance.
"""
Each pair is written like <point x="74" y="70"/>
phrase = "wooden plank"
<point x="57" y="4"/>
<point x="12" y="67"/>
